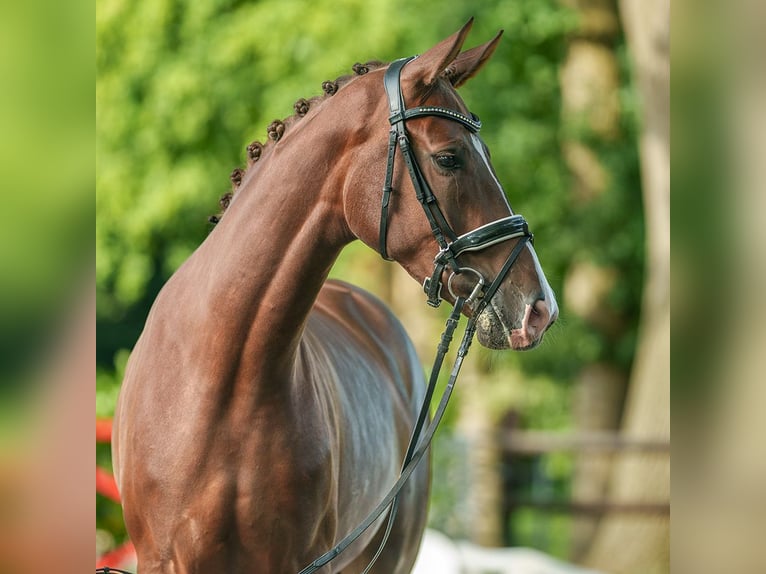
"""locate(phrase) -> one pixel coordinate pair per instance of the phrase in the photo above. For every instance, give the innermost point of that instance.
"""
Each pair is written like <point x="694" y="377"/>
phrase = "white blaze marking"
<point x="480" y="150"/>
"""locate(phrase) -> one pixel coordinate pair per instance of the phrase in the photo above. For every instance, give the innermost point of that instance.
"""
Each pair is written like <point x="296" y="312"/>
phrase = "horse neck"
<point x="269" y="256"/>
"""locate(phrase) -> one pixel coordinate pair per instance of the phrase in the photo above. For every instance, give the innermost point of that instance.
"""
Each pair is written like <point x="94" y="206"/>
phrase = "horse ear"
<point x="467" y="64"/>
<point x="427" y="67"/>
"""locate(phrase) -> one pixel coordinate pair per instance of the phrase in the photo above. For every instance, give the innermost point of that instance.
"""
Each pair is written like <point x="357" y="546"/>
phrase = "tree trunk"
<point x="640" y="543"/>
<point x="591" y="112"/>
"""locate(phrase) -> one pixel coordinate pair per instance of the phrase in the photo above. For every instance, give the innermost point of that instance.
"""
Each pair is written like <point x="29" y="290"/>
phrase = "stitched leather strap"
<point x="487" y="235"/>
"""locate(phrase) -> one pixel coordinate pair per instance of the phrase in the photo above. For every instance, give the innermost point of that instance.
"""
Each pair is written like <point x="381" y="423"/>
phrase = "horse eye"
<point x="447" y="161"/>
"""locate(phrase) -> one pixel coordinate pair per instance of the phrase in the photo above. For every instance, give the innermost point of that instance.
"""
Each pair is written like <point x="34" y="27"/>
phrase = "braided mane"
<point x="276" y="130"/>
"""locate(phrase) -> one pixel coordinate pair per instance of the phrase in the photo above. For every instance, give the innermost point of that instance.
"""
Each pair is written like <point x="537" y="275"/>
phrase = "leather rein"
<point x="451" y="246"/>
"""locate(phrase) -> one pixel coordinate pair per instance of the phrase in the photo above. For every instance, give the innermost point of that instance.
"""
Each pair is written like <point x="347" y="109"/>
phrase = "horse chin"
<point x="495" y="332"/>
<point x="492" y="331"/>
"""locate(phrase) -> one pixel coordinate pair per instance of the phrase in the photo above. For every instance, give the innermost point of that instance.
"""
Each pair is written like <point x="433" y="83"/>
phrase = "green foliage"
<point x="46" y="179"/>
<point x="540" y="529"/>
<point x="108" y="385"/>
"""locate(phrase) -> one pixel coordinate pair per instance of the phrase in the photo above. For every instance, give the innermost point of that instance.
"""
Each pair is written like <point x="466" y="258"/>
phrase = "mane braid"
<point x="277" y="128"/>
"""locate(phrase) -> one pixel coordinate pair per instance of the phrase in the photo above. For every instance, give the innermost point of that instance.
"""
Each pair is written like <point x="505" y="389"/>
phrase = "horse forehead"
<point x="442" y="93"/>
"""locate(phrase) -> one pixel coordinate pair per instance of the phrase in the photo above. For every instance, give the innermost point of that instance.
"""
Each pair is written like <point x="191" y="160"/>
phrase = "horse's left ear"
<point x="467" y="64"/>
<point x="426" y="68"/>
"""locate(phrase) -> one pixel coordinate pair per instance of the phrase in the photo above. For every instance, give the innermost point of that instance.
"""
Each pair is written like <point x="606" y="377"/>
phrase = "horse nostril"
<point x="540" y="314"/>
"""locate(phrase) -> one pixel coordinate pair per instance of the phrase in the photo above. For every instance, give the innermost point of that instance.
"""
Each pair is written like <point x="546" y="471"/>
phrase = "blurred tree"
<point x="590" y="83"/>
<point x="641" y="543"/>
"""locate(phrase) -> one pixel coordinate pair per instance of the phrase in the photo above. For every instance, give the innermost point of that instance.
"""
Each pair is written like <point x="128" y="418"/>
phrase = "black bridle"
<point x="451" y="246"/>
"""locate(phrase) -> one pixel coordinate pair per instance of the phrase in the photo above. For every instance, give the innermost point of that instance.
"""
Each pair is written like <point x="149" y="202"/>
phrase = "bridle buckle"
<point x="430" y="284"/>
<point x="476" y="293"/>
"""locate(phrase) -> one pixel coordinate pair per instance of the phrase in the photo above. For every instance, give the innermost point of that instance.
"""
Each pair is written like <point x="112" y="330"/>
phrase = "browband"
<point x="472" y="123"/>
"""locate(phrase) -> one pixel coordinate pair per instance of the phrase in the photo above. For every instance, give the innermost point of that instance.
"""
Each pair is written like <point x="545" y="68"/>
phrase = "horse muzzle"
<point x="500" y="328"/>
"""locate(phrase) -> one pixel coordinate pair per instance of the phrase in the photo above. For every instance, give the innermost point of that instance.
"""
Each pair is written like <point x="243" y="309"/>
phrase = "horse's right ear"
<point x="426" y="68"/>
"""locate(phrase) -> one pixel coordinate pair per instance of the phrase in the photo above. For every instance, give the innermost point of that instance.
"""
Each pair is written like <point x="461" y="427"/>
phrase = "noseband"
<point x="450" y="244"/>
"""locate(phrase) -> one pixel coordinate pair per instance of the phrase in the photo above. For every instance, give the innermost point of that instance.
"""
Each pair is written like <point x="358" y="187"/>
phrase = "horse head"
<point x="445" y="216"/>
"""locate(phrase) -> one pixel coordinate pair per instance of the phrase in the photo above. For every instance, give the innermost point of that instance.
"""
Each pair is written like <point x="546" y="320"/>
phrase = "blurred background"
<point x="718" y="103"/>
<point x="564" y="449"/>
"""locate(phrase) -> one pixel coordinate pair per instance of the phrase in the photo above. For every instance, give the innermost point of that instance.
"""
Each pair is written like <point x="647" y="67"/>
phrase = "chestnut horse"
<point x="265" y="411"/>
